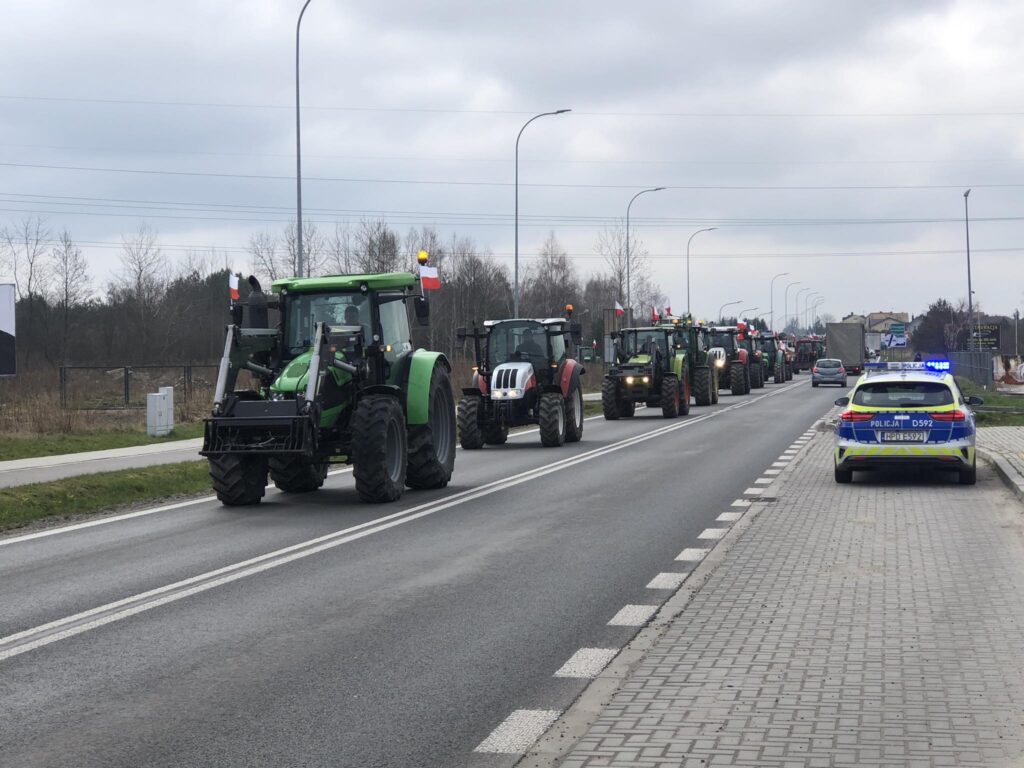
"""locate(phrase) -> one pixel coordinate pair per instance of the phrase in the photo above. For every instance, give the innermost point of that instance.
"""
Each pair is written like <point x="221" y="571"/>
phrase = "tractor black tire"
<point x="702" y="394"/>
<point x="737" y="379"/>
<point x="431" y="456"/>
<point x="684" y="395"/>
<point x="779" y="375"/>
<point x="746" y="379"/>
<point x="495" y="435"/>
<point x="471" y="434"/>
<point x="756" y="376"/>
<point x="627" y="408"/>
<point x="239" y="480"/>
<point x="789" y="371"/>
<point x="379" y="448"/>
<point x="716" y="386"/>
<point x="610" y="400"/>
<point x="295" y="475"/>
<point x="551" y="416"/>
<point x="670" y="397"/>
<point x="574" y="412"/>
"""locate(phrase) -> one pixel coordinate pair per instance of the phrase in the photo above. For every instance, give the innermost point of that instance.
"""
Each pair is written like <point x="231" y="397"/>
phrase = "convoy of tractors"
<point x="335" y="379"/>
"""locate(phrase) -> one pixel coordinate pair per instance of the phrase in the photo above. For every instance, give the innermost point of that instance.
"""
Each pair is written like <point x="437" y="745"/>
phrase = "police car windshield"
<point x="517" y="341"/>
<point x="903" y="394"/>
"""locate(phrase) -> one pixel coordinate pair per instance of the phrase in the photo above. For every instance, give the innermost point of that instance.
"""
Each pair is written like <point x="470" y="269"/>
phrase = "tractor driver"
<point x="529" y="347"/>
<point x="352" y="315"/>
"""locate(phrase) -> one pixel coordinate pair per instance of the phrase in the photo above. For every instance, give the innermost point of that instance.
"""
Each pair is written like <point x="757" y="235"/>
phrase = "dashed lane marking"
<point x="713" y="533"/>
<point x="741" y="503"/>
<point x="587" y="662"/>
<point x="518" y="732"/>
<point x="763" y="481"/>
<point x="729" y="517"/>
<point x="773" y="471"/>
<point x="754" y="491"/>
<point x="633" y="615"/>
<point x="692" y="554"/>
<point x="667" y="581"/>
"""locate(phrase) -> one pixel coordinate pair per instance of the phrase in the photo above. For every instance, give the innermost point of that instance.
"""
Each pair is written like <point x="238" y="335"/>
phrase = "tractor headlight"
<point x="629" y="379"/>
<point x="497" y="394"/>
<point x="647" y="379"/>
<point x="515" y="394"/>
<point x="719" y="363"/>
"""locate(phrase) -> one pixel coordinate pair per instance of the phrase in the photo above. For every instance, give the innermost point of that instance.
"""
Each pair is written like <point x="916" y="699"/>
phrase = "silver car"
<point x="828" y="370"/>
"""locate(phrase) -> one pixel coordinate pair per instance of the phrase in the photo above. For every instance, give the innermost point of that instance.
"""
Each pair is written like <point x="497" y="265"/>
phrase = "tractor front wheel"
<point x="702" y="386"/>
<point x="574" y="414"/>
<point x="684" y="395"/>
<point x="471" y="436"/>
<point x="379" y="448"/>
<point x="432" y="445"/>
<point x="716" y="386"/>
<point x="294" y="475"/>
<point x="778" y="375"/>
<point x="552" y="419"/>
<point x="239" y="480"/>
<point x="737" y="380"/>
<point x="756" y="376"/>
<point x="610" y="400"/>
<point x="670" y="397"/>
<point x="495" y="435"/>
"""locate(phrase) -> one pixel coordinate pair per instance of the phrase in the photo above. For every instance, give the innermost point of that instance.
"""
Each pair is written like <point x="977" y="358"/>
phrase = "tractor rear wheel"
<point x="670" y="397"/>
<point x="551" y="415"/>
<point x="239" y="480"/>
<point x="379" y="448"/>
<point x="471" y="436"/>
<point x="684" y="395"/>
<point x="574" y="413"/>
<point x="778" y="375"/>
<point x="432" y="445"/>
<point x="702" y="386"/>
<point x="295" y="475"/>
<point x="495" y="435"/>
<point x="737" y="380"/>
<point x="756" y="376"/>
<point x="716" y="386"/>
<point x="610" y="400"/>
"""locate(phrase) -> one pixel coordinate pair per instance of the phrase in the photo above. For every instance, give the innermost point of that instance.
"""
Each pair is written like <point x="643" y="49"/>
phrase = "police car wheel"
<point x="844" y="475"/>
<point x="969" y="476"/>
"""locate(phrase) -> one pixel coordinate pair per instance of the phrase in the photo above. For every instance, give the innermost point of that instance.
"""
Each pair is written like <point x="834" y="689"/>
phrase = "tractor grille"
<point x="506" y="378"/>
<point x="258" y="436"/>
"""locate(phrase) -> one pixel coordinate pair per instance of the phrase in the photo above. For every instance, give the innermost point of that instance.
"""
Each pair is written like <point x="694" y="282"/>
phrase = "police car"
<point x="906" y="414"/>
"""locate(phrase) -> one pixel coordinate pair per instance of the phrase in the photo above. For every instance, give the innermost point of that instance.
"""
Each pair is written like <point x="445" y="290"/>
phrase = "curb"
<point x="1011" y="479"/>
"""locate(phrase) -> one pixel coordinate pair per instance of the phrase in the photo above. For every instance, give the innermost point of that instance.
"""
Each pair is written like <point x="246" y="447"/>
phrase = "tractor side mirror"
<point x="422" y="307"/>
<point x="460" y="334"/>
<point x="843" y="401"/>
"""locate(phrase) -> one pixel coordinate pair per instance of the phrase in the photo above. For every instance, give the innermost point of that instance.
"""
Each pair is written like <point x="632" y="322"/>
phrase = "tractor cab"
<point x="650" y="368"/>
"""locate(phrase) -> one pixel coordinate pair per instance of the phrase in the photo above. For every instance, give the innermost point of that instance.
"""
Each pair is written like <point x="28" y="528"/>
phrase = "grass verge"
<point x="23" y="504"/>
<point x="53" y="445"/>
<point x="994" y="419"/>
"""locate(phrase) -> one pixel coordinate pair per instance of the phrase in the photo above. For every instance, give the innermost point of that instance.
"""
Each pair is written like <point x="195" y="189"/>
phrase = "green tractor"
<point x="337" y="381"/>
<point x="648" y="368"/>
<point x="773" y="355"/>
<point x="695" y="341"/>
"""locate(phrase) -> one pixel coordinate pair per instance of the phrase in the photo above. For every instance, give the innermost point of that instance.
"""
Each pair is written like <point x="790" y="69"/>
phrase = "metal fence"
<point x="976" y="366"/>
<point x="91" y="387"/>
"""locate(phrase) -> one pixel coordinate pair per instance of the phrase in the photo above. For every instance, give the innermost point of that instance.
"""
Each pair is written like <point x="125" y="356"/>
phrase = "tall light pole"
<point x="629" y="302"/>
<point x="814" y="311"/>
<point x="706" y="229"/>
<point x="721" y="309"/>
<point x="743" y="312"/>
<point x="785" y="304"/>
<point x="1016" y="328"/>
<point x="807" y="302"/>
<point x="298" y="150"/>
<point x="515" y="288"/>
<point x="771" y="297"/>
<point x="796" y="307"/>
<point x="970" y="292"/>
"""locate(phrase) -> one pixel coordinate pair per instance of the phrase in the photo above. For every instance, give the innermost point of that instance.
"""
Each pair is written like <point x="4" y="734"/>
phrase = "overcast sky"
<point x="829" y="140"/>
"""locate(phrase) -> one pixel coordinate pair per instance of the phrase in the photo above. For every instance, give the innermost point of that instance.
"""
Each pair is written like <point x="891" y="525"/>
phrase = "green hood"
<point x="295" y="375"/>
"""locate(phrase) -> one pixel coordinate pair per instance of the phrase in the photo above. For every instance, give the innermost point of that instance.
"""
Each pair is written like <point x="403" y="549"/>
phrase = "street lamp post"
<point x="807" y="302"/>
<point x="814" y="311"/>
<point x="796" y="308"/>
<point x="785" y="304"/>
<point x="771" y="297"/>
<point x="970" y="292"/>
<point x="706" y="229"/>
<point x="298" y="151"/>
<point x="629" y="302"/>
<point x="743" y="312"/>
<point x="1016" y="328"/>
<point x="721" y="309"/>
<point x="515" y="287"/>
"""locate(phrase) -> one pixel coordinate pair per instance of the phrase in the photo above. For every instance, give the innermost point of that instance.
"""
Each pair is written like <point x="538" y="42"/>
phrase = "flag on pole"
<point x="619" y="311"/>
<point x="654" y="314"/>
<point x="429" y="279"/>
<point x="233" y="286"/>
<point x="668" y="311"/>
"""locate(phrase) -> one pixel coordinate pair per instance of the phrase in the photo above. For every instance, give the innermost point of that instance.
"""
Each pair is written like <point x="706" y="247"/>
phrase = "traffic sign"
<point x="892" y="340"/>
<point x="898" y="329"/>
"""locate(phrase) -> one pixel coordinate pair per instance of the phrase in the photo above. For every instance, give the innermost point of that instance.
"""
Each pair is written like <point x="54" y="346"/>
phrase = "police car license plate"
<point x="904" y="437"/>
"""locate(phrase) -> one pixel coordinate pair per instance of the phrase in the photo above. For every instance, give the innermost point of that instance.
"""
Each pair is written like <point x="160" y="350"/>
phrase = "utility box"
<point x="160" y="412"/>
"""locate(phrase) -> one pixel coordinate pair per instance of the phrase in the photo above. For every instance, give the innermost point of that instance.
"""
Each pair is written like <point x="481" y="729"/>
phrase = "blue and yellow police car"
<point x="906" y="415"/>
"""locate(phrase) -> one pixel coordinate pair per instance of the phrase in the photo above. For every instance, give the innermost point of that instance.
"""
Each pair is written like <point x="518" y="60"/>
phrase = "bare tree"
<point x="611" y="246"/>
<point x="376" y="247"/>
<point x="314" y="250"/>
<point x="340" y="253"/>
<point x="263" y="253"/>
<point x="24" y="255"/>
<point x="71" y="286"/>
<point x="551" y="281"/>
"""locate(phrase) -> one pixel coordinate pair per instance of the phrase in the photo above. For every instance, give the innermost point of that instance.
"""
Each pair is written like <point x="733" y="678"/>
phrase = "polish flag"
<point x="233" y="286"/>
<point x="429" y="279"/>
<point x="668" y="311"/>
<point x="654" y="314"/>
<point x="619" y="311"/>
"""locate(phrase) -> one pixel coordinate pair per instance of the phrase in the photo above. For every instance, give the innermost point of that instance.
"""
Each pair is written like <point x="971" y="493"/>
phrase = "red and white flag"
<point x="430" y="280"/>
<point x="654" y="314"/>
<point x="619" y="311"/>
<point x="668" y="311"/>
<point x="233" y="286"/>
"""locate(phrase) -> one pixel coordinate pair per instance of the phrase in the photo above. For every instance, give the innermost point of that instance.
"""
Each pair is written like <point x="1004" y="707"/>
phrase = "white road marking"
<point x="729" y="517"/>
<point x="667" y="581"/>
<point x="692" y="554"/>
<point x="519" y="731"/>
<point x="587" y="662"/>
<point x="763" y="481"/>
<point x="773" y="471"/>
<point x="741" y="503"/>
<point x="754" y="491"/>
<point x="633" y="615"/>
<point x="780" y="463"/>
<point x="713" y="533"/>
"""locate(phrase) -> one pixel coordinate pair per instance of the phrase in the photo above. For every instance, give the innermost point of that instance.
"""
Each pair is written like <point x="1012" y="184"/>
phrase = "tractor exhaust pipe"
<point x="312" y="383"/>
<point x="222" y="373"/>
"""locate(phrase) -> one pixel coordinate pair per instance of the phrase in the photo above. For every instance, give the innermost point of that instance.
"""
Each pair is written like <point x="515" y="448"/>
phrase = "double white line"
<point x="37" y="637"/>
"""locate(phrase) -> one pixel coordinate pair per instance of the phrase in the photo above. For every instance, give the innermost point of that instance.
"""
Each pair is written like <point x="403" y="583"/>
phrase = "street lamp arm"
<point x="629" y="297"/>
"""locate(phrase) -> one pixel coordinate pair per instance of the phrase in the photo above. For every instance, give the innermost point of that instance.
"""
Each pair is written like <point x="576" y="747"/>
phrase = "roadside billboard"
<point x="8" y="358"/>
<point x="983" y="337"/>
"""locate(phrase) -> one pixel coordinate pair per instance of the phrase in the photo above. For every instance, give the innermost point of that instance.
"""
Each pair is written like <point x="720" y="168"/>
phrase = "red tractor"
<point x="731" y="359"/>
<point x="525" y="373"/>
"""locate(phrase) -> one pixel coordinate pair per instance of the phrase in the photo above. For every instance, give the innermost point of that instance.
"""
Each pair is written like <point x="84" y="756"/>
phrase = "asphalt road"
<point x="403" y="641"/>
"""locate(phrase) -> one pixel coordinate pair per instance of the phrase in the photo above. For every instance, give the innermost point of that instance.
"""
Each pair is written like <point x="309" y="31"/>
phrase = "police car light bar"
<point x="940" y="366"/>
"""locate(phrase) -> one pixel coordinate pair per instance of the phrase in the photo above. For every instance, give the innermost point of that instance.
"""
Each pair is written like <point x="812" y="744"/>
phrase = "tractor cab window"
<point x="394" y="327"/>
<point x="557" y="347"/>
<point x="518" y="341"/>
<point x="304" y="311"/>
<point x="639" y="342"/>
<point x="724" y="340"/>
<point x="682" y="339"/>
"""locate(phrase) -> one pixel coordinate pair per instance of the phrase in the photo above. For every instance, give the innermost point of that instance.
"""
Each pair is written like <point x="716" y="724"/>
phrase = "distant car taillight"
<point x="857" y="416"/>
<point x="949" y="416"/>
<point x="842" y="371"/>
<point x="814" y="370"/>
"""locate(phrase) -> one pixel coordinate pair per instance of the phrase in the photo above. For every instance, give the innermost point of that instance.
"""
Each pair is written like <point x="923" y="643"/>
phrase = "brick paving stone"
<point x="873" y="624"/>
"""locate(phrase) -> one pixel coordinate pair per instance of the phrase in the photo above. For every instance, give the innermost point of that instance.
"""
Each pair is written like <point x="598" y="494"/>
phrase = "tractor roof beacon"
<point x="525" y="373"/>
<point x="650" y="368"/>
<point x="337" y="381"/>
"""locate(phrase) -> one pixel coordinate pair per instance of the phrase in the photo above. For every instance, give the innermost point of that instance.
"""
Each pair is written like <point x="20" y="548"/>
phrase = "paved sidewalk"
<point x="874" y="624"/>
<point x="1005" y="446"/>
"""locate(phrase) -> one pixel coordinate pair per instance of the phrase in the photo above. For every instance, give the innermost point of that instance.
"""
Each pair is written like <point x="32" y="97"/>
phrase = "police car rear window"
<point x="903" y="394"/>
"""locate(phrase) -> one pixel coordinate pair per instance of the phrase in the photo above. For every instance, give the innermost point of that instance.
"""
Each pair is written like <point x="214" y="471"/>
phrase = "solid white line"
<point x="667" y="581"/>
<point x="713" y="533"/>
<point x="729" y="517"/>
<point x="587" y="662"/>
<point x="519" y="731"/>
<point x="754" y="491"/>
<point x="692" y="554"/>
<point x="633" y="615"/>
